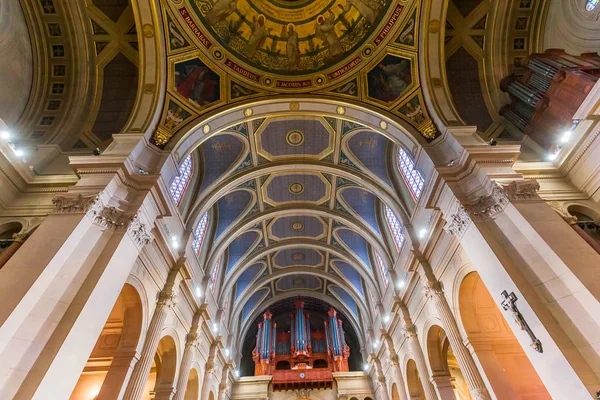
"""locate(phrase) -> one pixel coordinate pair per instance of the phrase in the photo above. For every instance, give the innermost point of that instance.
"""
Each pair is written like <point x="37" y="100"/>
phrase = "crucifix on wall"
<point x="510" y="304"/>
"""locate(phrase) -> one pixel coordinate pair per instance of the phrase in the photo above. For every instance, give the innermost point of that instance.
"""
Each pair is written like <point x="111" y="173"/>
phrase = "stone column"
<point x="434" y="292"/>
<point x="410" y="333"/>
<point x="191" y="342"/>
<point x="19" y="238"/>
<point x="135" y="388"/>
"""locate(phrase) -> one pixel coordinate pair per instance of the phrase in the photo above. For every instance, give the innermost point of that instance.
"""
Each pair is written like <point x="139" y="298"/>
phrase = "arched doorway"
<point x="413" y="381"/>
<point x="159" y="385"/>
<point x="447" y="374"/>
<point x="395" y="393"/>
<point x="506" y="365"/>
<point x="193" y="386"/>
<point x="110" y="361"/>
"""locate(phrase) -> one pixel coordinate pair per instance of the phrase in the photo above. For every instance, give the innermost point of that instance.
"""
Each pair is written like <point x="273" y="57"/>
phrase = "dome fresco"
<point x="289" y="37"/>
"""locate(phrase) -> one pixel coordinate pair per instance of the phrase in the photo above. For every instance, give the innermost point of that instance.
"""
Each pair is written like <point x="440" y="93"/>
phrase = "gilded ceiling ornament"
<point x="434" y="26"/>
<point x="298" y="256"/>
<point x="296" y="188"/>
<point x="340" y="110"/>
<point x="383" y="125"/>
<point x="294" y="106"/>
<point x="149" y="87"/>
<point x="218" y="54"/>
<point x="294" y="137"/>
<point x="436" y="82"/>
<point x="148" y="30"/>
<point x="248" y="112"/>
<point x="206" y="129"/>
<point x="428" y="130"/>
<point x="297" y="226"/>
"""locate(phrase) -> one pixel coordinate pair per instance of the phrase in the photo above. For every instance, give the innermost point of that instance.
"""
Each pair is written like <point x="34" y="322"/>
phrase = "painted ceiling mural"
<point x="224" y="51"/>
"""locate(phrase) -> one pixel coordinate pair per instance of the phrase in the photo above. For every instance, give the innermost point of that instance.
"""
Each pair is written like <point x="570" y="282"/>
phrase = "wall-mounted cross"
<point x="510" y="304"/>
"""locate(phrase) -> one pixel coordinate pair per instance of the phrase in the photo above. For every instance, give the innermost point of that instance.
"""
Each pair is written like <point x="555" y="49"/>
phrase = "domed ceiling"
<point x="227" y="51"/>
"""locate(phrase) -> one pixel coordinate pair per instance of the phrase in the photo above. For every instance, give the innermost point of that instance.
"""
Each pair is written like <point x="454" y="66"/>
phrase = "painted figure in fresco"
<point x="325" y="30"/>
<point x="257" y="37"/>
<point x="173" y="118"/>
<point x="291" y="47"/>
<point x="221" y="10"/>
<point x="389" y="79"/>
<point x="197" y="84"/>
<point x="369" y="9"/>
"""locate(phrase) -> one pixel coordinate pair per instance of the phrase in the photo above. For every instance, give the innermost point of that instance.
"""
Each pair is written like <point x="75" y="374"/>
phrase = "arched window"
<point x="591" y="4"/>
<point x="412" y="177"/>
<point x="182" y="180"/>
<point x="382" y="269"/>
<point x="213" y="276"/>
<point x="199" y="233"/>
<point x="395" y="227"/>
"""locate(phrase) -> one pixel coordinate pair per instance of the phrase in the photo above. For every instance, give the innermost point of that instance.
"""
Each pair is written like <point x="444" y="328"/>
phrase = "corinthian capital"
<point x="20" y="237"/>
<point x="192" y="340"/>
<point x="409" y="331"/>
<point x="109" y="217"/>
<point x="432" y="289"/>
<point x="139" y="232"/>
<point x="167" y="298"/>
<point x="488" y="206"/>
<point x="459" y="222"/>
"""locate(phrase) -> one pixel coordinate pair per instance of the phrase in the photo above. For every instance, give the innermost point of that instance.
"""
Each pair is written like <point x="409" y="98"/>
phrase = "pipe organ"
<point x="304" y="356"/>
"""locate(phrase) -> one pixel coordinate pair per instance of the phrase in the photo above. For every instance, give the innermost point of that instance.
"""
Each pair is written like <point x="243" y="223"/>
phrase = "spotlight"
<point x="236" y="372"/>
<point x="386" y="318"/>
<point x="198" y="292"/>
<point x="552" y="156"/>
<point x="365" y="367"/>
<point x="227" y="352"/>
<point x="5" y="135"/>
<point x="400" y="284"/>
<point x="376" y="344"/>
<point x="422" y="233"/>
<point x="215" y="327"/>
<point x="566" y="136"/>
<point x="19" y="152"/>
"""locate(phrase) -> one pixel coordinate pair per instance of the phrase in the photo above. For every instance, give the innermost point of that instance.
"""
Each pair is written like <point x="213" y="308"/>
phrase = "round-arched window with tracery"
<point x="591" y="5"/>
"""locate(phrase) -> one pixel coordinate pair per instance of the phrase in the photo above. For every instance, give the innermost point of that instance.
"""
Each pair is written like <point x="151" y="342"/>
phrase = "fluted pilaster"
<point x="435" y="293"/>
<point x="135" y="388"/>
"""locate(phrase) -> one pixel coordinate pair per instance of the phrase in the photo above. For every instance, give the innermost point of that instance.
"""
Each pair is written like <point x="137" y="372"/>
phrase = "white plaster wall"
<point x="16" y="63"/>
<point x="570" y="27"/>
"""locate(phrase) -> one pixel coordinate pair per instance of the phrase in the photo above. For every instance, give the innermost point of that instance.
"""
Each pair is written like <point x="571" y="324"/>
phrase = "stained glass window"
<point x="413" y="178"/>
<point x="181" y="181"/>
<point x="382" y="269"/>
<point x="199" y="233"/>
<point x="395" y="227"/>
<point x="591" y="5"/>
<point x="213" y="276"/>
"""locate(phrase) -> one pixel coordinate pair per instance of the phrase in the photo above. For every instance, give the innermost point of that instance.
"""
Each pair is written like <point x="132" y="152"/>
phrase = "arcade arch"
<point x="506" y="366"/>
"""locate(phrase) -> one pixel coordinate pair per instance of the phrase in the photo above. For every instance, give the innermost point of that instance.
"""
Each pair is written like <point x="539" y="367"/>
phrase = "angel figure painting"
<point x="325" y="30"/>
<point x="389" y="79"/>
<point x="197" y="83"/>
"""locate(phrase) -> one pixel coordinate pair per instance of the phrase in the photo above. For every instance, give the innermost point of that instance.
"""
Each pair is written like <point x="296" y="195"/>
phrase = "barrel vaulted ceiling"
<point x="306" y="215"/>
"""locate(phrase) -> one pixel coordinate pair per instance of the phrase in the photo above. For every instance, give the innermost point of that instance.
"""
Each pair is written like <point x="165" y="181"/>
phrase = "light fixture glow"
<point x="198" y="292"/>
<point x="365" y="367"/>
<point x="236" y="372"/>
<point x="175" y="244"/>
<point x="227" y="352"/>
<point x="386" y="318"/>
<point x="400" y="284"/>
<point x="376" y="344"/>
<point x="19" y="152"/>
<point x="566" y="136"/>
<point x="215" y="327"/>
<point x="422" y="233"/>
<point x="5" y="135"/>
<point x="552" y="156"/>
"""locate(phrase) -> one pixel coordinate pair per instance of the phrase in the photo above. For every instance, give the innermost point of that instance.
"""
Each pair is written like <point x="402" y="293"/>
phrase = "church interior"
<point x="299" y="199"/>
